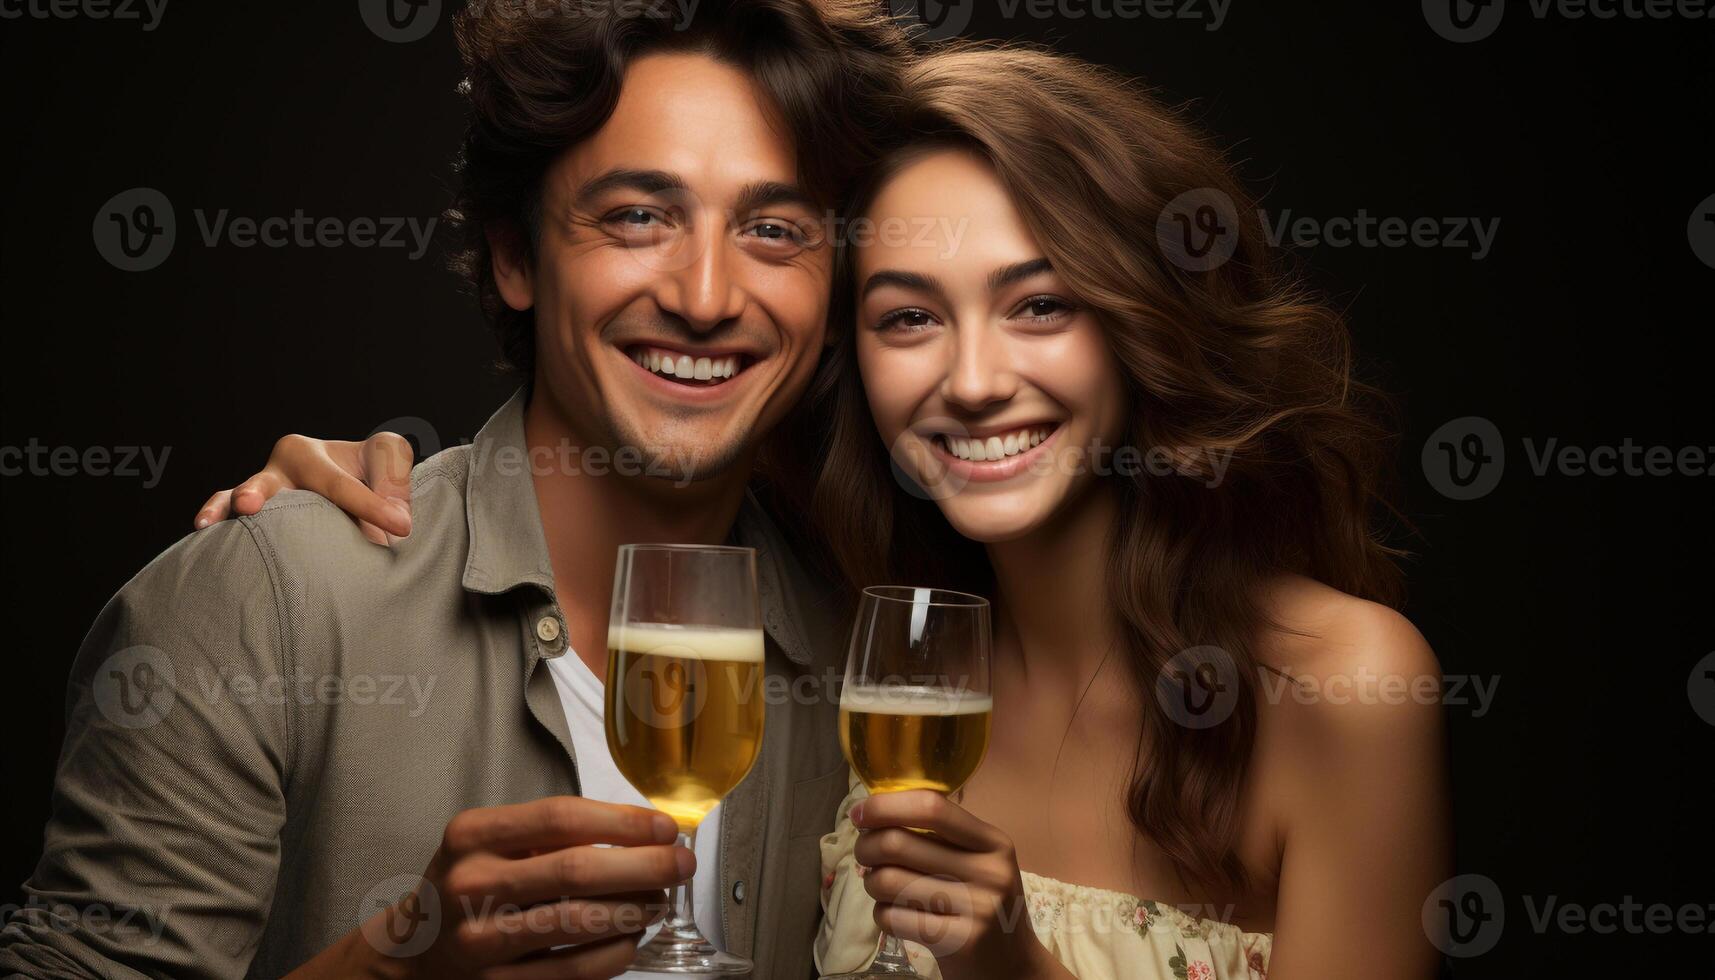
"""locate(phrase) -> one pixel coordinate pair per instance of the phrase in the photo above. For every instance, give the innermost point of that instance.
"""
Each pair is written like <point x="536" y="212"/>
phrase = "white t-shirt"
<point x="581" y="696"/>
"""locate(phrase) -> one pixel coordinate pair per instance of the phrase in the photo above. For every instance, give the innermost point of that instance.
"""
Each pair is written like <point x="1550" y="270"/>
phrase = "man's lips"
<point x="706" y="368"/>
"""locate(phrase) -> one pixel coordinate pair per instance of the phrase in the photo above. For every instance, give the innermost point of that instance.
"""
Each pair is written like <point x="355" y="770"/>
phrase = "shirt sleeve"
<point x="848" y="937"/>
<point x="162" y="850"/>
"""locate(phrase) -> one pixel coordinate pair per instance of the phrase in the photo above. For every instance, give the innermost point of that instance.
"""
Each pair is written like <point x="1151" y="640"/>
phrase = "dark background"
<point x="1586" y="598"/>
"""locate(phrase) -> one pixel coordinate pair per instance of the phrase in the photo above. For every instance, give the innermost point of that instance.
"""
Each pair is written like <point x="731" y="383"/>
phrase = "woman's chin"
<point x="993" y="521"/>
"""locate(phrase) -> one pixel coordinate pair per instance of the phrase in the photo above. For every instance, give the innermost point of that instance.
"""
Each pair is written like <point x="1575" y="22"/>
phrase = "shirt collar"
<point x="508" y="550"/>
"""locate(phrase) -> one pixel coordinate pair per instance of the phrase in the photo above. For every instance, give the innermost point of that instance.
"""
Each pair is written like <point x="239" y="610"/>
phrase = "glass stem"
<point x="891" y="958"/>
<point x="682" y="920"/>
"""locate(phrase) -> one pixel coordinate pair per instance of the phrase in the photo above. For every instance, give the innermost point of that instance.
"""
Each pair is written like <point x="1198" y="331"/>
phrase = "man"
<point x="291" y="752"/>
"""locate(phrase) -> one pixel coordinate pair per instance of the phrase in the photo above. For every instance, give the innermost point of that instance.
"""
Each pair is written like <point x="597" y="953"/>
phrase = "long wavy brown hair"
<point x="1240" y="357"/>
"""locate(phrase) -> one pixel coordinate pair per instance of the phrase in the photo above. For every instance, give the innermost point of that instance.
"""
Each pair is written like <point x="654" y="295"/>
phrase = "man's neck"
<point x="586" y="517"/>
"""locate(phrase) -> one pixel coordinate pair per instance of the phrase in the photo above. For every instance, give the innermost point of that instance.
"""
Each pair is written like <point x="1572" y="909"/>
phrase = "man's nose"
<point x="698" y="284"/>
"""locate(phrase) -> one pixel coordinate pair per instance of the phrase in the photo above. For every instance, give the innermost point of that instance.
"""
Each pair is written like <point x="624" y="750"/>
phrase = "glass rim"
<point x="948" y="598"/>
<point x="708" y="549"/>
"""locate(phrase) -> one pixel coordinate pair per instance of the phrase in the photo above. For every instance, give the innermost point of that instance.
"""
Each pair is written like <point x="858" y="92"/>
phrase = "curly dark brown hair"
<point x="542" y="75"/>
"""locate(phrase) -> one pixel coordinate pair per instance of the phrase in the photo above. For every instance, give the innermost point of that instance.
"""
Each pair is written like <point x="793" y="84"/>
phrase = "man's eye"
<point x="634" y="216"/>
<point x="778" y="234"/>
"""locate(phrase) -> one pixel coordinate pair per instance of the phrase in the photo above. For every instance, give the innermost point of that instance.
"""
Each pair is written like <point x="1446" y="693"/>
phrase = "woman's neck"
<point x="1051" y="586"/>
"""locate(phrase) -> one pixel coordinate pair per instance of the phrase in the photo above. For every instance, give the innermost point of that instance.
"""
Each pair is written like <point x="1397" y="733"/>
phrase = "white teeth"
<point x="685" y="366"/>
<point x="995" y="447"/>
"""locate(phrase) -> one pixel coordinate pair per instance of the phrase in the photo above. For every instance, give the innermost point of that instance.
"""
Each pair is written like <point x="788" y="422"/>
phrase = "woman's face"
<point x="986" y="379"/>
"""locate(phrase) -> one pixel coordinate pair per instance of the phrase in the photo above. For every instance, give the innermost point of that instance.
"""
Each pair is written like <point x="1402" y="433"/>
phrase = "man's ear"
<point x="513" y="274"/>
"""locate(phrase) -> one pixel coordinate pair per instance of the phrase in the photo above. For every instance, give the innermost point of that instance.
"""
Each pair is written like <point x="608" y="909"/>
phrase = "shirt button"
<point x="548" y="629"/>
<point x="738" y="892"/>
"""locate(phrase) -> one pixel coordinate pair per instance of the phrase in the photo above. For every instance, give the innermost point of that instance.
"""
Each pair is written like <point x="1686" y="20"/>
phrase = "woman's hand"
<point x="369" y="480"/>
<point x="956" y="890"/>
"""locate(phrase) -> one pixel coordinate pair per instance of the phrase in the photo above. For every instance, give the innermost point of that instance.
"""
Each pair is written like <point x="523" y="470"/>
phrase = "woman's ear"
<point x="513" y="275"/>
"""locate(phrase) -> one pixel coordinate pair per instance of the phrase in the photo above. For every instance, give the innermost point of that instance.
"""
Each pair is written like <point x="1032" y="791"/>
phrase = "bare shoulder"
<point x="1315" y="630"/>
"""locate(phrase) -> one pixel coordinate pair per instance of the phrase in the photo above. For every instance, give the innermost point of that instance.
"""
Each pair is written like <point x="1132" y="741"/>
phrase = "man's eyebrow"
<point x="898" y="277"/>
<point x="771" y="193"/>
<point x="643" y="181"/>
<point x="1006" y="275"/>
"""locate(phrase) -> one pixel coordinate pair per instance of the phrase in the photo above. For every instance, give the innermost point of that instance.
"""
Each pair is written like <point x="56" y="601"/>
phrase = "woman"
<point x="1162" y="470"/>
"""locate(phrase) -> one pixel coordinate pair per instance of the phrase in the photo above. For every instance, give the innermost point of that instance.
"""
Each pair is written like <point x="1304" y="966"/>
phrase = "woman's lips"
<point x="994" y="470"/>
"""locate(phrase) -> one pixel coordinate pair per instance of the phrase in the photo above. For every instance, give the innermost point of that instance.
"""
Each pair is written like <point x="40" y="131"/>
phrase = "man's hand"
<point x="510" y="883"/>
<point x="956" y="890"/>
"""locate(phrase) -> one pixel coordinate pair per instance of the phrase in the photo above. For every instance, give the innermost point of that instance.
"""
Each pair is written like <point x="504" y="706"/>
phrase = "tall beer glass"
<point x="684" y="705"/>
<point x="915" y="708"/>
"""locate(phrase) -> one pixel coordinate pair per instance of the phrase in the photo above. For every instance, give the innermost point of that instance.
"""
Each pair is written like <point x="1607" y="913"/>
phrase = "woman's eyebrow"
<point x="1006" y="275"/>
<point x="898" y="277"/>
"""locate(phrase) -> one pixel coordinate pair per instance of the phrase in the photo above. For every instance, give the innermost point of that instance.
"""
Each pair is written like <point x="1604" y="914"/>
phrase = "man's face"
<point x="682" y="274"/>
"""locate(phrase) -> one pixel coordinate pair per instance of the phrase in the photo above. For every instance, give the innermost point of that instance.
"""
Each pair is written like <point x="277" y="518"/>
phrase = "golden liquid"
<point x="914" y="738"/>
<point x="684" y="713"/>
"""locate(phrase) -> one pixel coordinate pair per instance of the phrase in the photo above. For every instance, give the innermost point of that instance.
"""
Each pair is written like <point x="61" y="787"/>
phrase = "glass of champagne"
<point x="684" y="705"/>
<point x="916" y="706"/>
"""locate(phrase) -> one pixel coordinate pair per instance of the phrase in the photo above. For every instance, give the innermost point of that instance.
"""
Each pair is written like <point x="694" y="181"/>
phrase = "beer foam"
<point x="689" y="642"/>
<point x="904" y="700"/>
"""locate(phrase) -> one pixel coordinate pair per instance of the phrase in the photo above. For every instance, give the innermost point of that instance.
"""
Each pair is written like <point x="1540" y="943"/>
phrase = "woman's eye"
<point x="1043" y="307"/>
<point x="906" y="321"/>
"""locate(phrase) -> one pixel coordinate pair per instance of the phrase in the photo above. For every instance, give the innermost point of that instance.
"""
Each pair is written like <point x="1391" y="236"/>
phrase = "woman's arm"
<point x="1363" y="799"/>
<point x="369" y="480"/>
